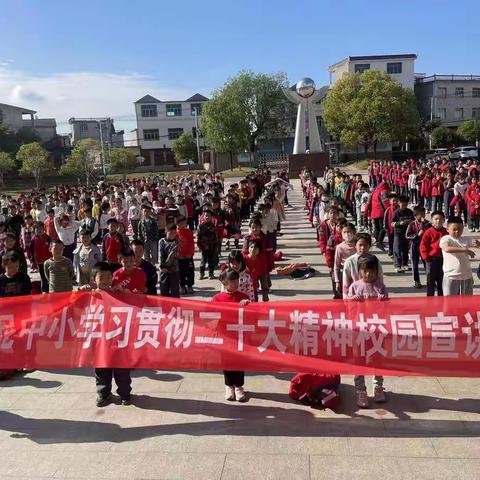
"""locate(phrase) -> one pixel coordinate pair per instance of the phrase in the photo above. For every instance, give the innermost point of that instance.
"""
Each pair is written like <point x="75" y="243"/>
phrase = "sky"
<point x="95" y="58"/>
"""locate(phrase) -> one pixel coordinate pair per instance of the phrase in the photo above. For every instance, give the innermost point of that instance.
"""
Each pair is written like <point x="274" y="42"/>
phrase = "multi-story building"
<point x="452" y="99"/>
<point x="17" y="118"/>
<point x="400" y="67"/>
<point x="100" y="129"/>
<point x="160" y="123"/>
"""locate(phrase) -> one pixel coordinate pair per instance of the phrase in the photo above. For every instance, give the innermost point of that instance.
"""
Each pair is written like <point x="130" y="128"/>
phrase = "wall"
<point x="163" y="123"/>
<point x="12" y="117"/>
<point x="406" y="78"/>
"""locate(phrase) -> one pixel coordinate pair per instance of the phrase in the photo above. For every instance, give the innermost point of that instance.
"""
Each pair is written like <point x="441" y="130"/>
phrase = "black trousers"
<point x="391" y="242"/>
<point x="43" y="278"/>
<point x="187" y="272"/>
<point x="210" y="257"/>
<point x="234" y="378"/>
<point x="435" y="276"/>
<point x="170" y="284"/>
<point x="68" y="251"/>
<point x="103" y="380"/>
<point x="400" y="250"/>
<point x="378" y="231"/>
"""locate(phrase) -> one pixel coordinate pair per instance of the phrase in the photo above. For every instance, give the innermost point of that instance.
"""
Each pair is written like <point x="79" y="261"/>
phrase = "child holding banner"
<point x="368" y="286"/>
<point x="234" y="380"/>
<point x="103" y="278"/>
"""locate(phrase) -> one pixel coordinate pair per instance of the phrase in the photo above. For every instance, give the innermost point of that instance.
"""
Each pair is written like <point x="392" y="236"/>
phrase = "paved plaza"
<point x="179" y="426"/>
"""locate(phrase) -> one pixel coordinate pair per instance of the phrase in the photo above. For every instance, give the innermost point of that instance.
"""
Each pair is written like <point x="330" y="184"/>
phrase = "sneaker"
<point x="126" y="401"/>
<point x="380" y="247"/>
<point x="240" y="394"/>
<point x="230" y="394"/>
<point x="104" y="401"/>
<point x="183" y="291"/>
<point x="417" y="285"/>
<point x="202" y="276"/>
<point x="190" y="290"/>
<point x="379" y="394"/>
<point x="212" y="277"/>
<point x="398" y="270"/>
<point x="362" y="398"/>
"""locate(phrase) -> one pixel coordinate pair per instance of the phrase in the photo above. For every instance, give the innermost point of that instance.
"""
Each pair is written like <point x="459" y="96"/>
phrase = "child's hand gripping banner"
<point x="437" y="336"/>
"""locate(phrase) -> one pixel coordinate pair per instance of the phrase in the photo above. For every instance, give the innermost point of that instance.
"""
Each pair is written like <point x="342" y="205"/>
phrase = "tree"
<point x="34" y="160"/>
<point x="258" y="106"/>
<point x="443" y="137"/>
<point x="83" y="160"/>
<point x="7" y="165"/>
<point x="184" y="148"/>
<point x="369" y="108"/>
<point x="470" y="131"/>
<point x="121" y="160"/>
<point x="10" y="141"/>
<point x="223" y="127"/>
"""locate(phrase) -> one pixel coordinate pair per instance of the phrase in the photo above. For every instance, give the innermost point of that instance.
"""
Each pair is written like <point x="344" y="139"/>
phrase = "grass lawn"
<point x="237" y="172"/>
<point x="360" y="165"/>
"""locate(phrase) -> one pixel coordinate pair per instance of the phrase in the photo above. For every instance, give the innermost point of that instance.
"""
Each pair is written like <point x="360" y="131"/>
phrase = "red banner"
<point x="437" y="336"/>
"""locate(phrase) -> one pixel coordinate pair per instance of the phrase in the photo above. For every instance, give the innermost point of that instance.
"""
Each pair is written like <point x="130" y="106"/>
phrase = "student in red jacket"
<point x="438" y="189"/>
<point x="234" y="380"/>
<point x="426" y="192"/>
<point x="387" y="222"/>
<point x="431" y="253"/>
<point x="40" y="251"/>
<point x="113" y="244"/>
<point x="379" y="203"/>
<point x="185" y="253"/>
<point x="326" y="228"/>
<point x="256" y="265"/>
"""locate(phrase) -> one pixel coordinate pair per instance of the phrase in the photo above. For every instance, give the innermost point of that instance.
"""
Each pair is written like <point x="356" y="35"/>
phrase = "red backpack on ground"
<point x="316" y="389"/>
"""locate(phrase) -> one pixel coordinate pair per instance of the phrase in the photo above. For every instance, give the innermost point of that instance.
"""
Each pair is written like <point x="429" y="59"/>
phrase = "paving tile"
<point x="185" y="466"/>
<point x="354" y="467"/>
<point x="266" y="467"/>
<point x="389" y="446"/>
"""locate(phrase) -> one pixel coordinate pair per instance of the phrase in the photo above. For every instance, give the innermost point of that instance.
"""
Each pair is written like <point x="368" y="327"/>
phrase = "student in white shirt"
<point x="456" y="251"/>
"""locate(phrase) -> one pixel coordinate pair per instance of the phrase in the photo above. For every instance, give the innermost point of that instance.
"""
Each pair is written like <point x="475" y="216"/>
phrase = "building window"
<point x="476" y="113"/>
<point x="83" y="127"/>
<point x="459" y="114"/>
<point x="361" y="67"/>
<point x="442" y="113"/>
<point x="395" y="67"/>
<point x="476" y="92"/>
<point x="174" y="133"/>
<point x="149" y="110"/>
<point x="151" y="134"/>
<point x="442" y="92"/>
<point x="459" y="91"/>
<point x="196" y="106"/>
<point x="174" y="110"/>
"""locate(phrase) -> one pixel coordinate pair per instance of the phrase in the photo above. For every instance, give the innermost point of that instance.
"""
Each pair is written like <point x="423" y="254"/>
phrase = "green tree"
<point x="258" y="106"/>
<point x="82" y="162"/>
<point x="470" y="131"/>
<point x="184" y="148"/>
<point x="223" y="126"/>
<point x="10" y="141"/>
<point x="34" y="160"/>
<point x="7" y="165"/>
<point x="443" y="137"/>
<point x="121" y="160"/>
<point x="369" y="108"/>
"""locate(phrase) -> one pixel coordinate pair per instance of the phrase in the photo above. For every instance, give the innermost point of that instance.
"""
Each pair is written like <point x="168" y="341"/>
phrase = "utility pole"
<point x="199" y="160"/>
<point x="102" y="147"/>
<point x="431" y="120"/>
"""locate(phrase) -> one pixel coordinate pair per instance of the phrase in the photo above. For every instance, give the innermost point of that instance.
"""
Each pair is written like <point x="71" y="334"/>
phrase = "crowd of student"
<point x="133" y="236"/>
<point x="351" y="215"/>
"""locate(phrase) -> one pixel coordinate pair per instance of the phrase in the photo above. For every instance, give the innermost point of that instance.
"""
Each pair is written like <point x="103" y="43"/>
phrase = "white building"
<point x="400" y="67"/>
<point x="160" y="123"/>
<point x="16" y="118"/>
<point x="83" y="128"/>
